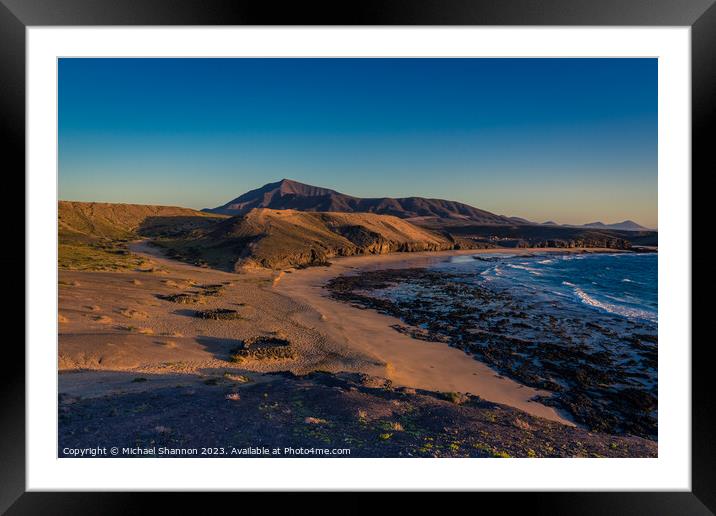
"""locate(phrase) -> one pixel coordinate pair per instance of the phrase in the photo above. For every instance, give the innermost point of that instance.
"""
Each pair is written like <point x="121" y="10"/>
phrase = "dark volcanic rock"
<point x="600" y="370"/>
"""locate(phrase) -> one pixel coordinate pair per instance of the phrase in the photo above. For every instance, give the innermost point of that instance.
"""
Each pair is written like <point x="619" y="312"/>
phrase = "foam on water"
<point x="631" y="313"/>
<point x="623" y="284"/>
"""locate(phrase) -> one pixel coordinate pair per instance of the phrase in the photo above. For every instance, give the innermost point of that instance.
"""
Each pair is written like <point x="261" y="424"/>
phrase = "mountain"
<point x="278" y="239"/>
<point x="627" y="225"/>
<point x="292" y="195"/>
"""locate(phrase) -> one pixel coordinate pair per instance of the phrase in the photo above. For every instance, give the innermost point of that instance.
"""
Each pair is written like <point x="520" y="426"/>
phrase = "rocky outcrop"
<point x="606" y="243"/>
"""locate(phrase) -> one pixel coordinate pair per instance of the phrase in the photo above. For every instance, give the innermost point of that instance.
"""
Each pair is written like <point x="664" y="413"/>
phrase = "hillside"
<point x="93" y="236"/>
<point x="292" y="195"/>
<point x="289" y="238"/>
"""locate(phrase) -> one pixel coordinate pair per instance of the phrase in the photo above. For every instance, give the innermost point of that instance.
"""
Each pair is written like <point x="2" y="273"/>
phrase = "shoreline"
<point x="410" y="362"/>
<point x="326" y="334"/>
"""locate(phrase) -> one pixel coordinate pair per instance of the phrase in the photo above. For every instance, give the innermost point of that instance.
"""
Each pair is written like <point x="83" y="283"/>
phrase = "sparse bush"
<point x="458" y="398"/>
<point x="183" y="299"/>
<point x="263" y="348"/>
<point x="217" y="314"/>
<point x="238" y="378"/>
<point x="522" y="425"/>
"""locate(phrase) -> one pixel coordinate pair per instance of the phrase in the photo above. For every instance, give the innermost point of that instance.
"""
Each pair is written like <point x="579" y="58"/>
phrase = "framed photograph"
<point x="425" y="247"/>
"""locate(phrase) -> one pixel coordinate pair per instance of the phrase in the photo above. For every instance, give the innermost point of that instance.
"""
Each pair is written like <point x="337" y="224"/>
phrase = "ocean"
<point x="581" y="327"/>
<point x="622" y="284"/>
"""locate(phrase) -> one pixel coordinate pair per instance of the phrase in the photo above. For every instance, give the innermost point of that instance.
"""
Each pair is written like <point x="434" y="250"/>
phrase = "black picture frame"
<point x="17" y="15"/>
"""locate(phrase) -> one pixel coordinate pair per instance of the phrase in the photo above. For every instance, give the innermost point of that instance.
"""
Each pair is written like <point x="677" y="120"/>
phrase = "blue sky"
<point x="572" y="140"/>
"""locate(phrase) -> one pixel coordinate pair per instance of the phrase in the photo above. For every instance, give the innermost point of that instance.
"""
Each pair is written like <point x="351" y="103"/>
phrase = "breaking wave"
<point x="624" y="311"/>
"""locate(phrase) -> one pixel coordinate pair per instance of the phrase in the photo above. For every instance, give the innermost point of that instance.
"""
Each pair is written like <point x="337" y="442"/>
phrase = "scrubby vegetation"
<point x="263" y="348"/>
<point x="183" y="298"/>
<point x="346" y="410"/>
<point x="218" y="314"/>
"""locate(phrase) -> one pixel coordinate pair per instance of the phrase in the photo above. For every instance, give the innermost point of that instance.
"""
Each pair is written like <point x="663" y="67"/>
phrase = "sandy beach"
<point x="408" y="362"/>
<point x="159" y="372"/>
<point x="115" y="323"/>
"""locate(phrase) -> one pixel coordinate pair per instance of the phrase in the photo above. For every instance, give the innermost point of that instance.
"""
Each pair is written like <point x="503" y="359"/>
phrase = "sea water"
<point x="621" y="284"/>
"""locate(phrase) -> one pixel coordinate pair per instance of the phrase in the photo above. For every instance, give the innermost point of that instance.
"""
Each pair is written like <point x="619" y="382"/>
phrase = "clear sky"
<point x="571" y="140"/>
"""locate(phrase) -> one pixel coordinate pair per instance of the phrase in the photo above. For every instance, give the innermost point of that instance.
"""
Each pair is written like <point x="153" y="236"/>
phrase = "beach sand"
<point x="408" y="362"/>
<point x="114" y="328"/>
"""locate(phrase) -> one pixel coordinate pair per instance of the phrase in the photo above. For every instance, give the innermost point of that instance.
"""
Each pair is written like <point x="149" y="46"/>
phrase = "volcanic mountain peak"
<point x="288" y="194"/>
<point x="291" y="187"/>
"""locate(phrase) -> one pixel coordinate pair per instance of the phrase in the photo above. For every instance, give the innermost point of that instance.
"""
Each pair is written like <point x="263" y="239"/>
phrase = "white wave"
<point x="492" y="271"/>
<point x="521" y="267"/>
<point x="627" y="280"/>
<point x="567" y="283"/>
<point x="545" y="262"/>
<point x="614" y="309"/>
<point x="567" y="257"/>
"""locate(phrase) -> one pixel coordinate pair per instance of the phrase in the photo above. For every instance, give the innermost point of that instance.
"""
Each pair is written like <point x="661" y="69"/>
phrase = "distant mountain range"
<point x="292" y="195"/>
<point x="626" y="225"/>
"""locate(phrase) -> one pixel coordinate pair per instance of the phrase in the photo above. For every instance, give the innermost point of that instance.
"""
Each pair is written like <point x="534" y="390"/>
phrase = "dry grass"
<point x="238" y="378"/>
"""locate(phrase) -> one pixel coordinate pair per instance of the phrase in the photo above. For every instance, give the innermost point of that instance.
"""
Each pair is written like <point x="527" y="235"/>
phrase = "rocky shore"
<point x="600" y="370"/>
